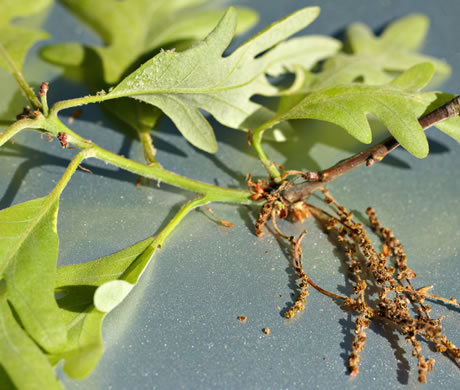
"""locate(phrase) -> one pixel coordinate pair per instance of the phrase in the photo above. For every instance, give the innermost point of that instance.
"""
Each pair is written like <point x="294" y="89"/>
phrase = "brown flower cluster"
<point x="397" y="299"/>
<point x="299" y="304"/>
<point x="384" y="273"/>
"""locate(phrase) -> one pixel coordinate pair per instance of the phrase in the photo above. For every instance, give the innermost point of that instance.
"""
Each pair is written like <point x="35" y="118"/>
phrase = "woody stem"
<point x="377" y="153"/>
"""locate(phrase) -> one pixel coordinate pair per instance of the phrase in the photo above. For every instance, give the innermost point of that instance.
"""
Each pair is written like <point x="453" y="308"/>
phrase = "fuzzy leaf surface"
<point x="90" y="291"/>
<point x="28" y="252"/>
<point x="181" y="84"/>
<point x="397" y="105"/>
<point x="134" y="28"/>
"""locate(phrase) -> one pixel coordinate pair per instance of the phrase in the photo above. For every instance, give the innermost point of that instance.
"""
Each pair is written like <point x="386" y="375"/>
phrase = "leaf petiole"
<point x="18" y="126"/>
<point x="257" y="144"/>
<point x="25" y="87"/>
<point x="147" y="145"/>
<point x="213" y="192"/>
<point x="81" y="101"/>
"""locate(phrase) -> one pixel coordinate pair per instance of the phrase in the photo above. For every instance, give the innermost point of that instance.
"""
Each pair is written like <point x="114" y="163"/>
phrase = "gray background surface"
<point x="178" y="328"/>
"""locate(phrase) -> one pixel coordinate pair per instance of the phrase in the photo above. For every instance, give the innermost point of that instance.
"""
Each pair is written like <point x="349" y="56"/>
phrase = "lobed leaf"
<point x="134" y="28"/>
<point x="373" y="60"/>
<point x="396" y="104"/>
<point x="396" y="48"/>
<point x="200" y="78"/>
<point x="149" y="26"/>
<point x="28" y="253"/>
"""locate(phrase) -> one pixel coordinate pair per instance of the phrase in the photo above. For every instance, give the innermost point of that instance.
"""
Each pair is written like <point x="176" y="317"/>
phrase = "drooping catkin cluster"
<point x="349" y="235"/>
<point x="299" y="304"/>
<point x="396" y="296"/>
<point x="301" y="300"/>
<point x="385" y="273"/>
<point x="361" y="324"/>
<point x="429" y="328"/>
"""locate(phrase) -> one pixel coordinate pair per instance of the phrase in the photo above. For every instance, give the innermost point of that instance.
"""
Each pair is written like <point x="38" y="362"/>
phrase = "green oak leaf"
<point x="397" y="105"/>
<point x="396" y="49"/>
<point x="155" y="24"/>
<point x="344" y="69"/>
<point x="28" y="252"/>
<point x="181" y="84"/>
<point x="21" y="359"/>
<point x="90" y="291"/>
<point x="374" y="60"/>
<point x="301" y="51"/>
<point x="134" y="28"/>
<point x="15" y="40"/>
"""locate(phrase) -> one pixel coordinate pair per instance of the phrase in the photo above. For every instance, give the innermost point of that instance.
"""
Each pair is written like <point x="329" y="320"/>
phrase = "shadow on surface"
<point x="36" y="158"/>
<point x="384" y="328"/>
<point x="389" y="332"/>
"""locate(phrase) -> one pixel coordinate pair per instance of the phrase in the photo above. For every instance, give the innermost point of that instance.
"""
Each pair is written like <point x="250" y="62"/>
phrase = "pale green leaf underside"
<point x="181" y="84"/>
<point x="396" y="104"/>
<point x="92" y="290"/>
<point x="20" y="357"/>
<point x="177" y="23"/>
<point x="28" y="253"/>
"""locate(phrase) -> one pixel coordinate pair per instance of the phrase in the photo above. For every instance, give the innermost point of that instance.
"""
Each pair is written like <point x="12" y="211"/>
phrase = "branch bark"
<point x="377" y="153"/>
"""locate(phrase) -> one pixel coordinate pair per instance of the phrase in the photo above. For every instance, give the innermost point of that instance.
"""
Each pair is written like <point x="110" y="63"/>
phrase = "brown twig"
<point x="315" y="180"/>
<point x="325" y="292"/>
